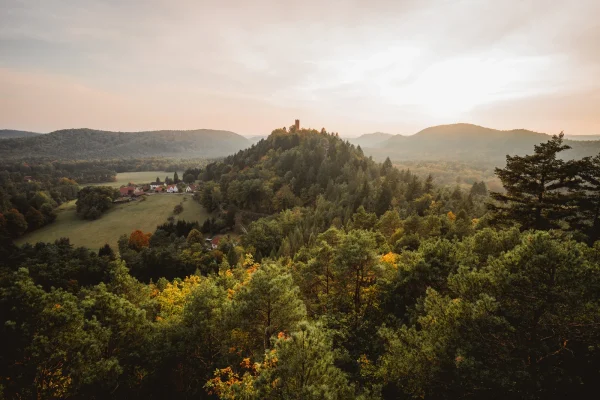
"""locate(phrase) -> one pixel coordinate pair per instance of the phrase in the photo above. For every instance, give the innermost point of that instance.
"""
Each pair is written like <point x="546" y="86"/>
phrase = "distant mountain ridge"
<point x="370" y="139"/>
<point x="13" y="133"/>
<point x="468" y="142"/>
<point x="89" y="144"/>
<point x="582" y="137"/>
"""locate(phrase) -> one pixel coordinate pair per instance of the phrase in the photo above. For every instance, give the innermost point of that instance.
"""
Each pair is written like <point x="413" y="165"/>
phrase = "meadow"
<point x="124" y="178"/>
<point x="122" y="219"/>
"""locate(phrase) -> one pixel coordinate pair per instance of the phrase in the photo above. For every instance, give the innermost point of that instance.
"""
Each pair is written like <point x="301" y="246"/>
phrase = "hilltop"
<point x="295" y="168"/>
<point x="12" y="133"/>
<point x="468" y="142"/>
<point x="96" y="144"/>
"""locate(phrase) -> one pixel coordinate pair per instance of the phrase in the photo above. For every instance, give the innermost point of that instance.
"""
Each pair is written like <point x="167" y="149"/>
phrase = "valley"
<point x="144" y="215"/>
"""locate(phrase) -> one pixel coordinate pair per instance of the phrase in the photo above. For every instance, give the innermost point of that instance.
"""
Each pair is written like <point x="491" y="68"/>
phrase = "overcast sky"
<point x="251" y="66"/>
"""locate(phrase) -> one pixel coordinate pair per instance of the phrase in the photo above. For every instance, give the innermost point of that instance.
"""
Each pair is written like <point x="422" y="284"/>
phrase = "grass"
<point x="122" y="219"/>
<point x="124" y="178"/>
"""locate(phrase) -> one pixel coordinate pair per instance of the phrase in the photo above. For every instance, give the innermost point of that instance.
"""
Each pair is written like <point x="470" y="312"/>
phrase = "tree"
<point x="533" y="184"/>
<point x="54" y="350"/>
<point x="92" y="201"/>
<point x="194" y="237"/>
<point x="189" y="178"/>
<point x="269" y="303"/>
<point x="389" y="223"/>
<point x="16" y="224"/>
<point x="175" y="178"/>
<point x="138" y="240"/>
<point x="355" y="263"/>
<point x="384" y="199"/>
<point x="479" y="189"/>
<point x="513" y="327"/>
<point x="106" y="251"/>
<point x="34" y="218"/>
<point x="428" y="185"/>
<point x="586" y="196"/>
<point x="305" y="367"/>
<point x="363" y="220"/>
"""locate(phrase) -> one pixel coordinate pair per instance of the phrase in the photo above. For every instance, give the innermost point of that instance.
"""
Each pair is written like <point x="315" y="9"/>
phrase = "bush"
<point x="178" y="209"/>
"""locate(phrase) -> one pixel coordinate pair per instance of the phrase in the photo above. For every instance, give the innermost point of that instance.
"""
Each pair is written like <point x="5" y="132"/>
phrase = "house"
<point x="172" y="189"/>
<point x="159" y="189"/>
<point x="190" y="188"/>
<point x="138" y="191"/>
<point x="214" y="242"/>
<point x="155" y="185"/>
<point x="126" y="190"/>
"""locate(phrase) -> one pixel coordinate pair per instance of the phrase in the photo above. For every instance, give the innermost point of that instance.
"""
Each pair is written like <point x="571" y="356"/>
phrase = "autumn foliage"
<point x="138" y="240"/>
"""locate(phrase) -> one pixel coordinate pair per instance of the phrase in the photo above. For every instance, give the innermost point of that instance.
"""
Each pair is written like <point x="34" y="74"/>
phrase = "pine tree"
<point x="107" y="251"/>
<point x="585" y="192"/>
<point x="175" y="178"/>
<point x="428" y="185"/>
<point x="269" y="304"/>
<point x="305" y="368"/>
<point x="533" y="186"/>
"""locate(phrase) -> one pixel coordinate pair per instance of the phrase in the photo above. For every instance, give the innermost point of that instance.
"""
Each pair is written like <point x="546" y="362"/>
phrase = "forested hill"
<point x="89" y="143"/>
<point x="306" y="168"/>
<point x="12" y="133"/>
<point x="467" y="142"/>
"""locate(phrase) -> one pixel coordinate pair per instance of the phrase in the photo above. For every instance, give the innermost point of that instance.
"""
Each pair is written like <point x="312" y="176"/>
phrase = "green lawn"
<point x="122" y="219"/>
<point x="139" y="178"/>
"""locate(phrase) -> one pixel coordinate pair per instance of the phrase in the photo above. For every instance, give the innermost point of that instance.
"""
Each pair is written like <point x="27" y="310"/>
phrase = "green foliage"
<point x="269" y="303"/>
<point x="305" y="368"/>
<point x="534" y="187"/>
<point x="328" y="289"/>
<point x="93" y="201"/>
<point x="71" y="144"/>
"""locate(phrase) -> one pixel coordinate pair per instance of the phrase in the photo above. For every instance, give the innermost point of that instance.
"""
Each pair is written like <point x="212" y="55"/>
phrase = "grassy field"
<point x="122" y="219"/>
<point x="124" y="178"/>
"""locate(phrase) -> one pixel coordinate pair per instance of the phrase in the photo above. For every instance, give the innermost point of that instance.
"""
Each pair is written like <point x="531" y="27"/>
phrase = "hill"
<point x="12" y="133"/>
<point x="295" y="168"/>
<point x="95" y="144"/>
<point x="467" y="142"/>
<point x="371" y="139"/>
<point x="582" y="137"/>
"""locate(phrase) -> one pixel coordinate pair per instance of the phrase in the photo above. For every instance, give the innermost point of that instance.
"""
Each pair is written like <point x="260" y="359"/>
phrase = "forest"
<point x="81" y="144"/>
<point x="335" y="277"/>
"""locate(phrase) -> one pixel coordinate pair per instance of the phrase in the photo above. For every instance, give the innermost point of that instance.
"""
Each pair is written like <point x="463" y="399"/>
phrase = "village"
<point x="131" y="190"/>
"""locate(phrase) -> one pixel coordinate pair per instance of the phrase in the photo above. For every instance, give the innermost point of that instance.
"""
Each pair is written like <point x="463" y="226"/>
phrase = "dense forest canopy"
<point x="335" y="277"/>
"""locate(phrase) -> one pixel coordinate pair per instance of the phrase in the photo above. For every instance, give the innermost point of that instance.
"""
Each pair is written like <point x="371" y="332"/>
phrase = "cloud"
<point x="353" y="66"/>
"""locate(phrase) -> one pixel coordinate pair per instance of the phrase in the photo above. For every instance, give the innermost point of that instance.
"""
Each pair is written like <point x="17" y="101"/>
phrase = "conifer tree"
<point x="585" y="192"/>
<point x="305" y="368"/>
<point x="533" y="186"/>
<point x="269" y="304"/>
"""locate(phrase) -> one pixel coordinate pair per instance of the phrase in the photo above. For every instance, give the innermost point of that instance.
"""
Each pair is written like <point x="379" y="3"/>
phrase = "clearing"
<point x="145" y="215"/>
<point x="123" y="178"/>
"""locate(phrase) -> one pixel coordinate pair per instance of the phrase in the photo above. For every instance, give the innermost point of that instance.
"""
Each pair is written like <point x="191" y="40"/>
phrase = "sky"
<point x="353" y="67"/>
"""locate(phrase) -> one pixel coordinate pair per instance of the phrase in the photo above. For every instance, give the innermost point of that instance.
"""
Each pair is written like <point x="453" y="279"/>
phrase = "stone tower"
<point x="297" y="124"/>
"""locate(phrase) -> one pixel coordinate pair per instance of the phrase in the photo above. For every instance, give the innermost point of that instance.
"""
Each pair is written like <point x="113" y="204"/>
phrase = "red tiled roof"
<point x="126" y="190"/>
